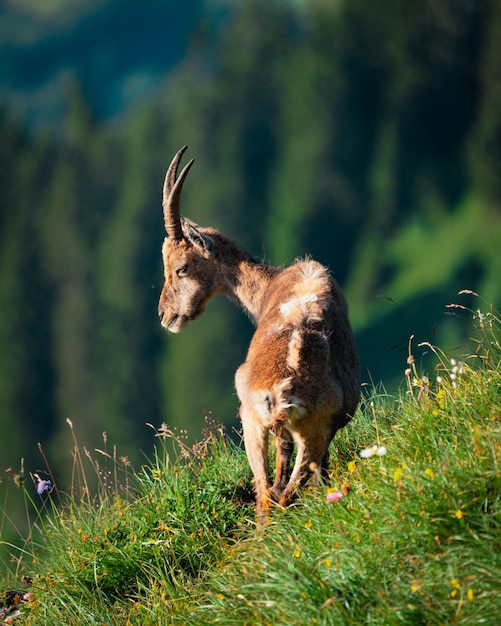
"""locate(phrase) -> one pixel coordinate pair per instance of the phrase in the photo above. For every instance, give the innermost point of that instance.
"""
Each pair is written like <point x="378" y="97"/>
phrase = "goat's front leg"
<point x="256" y="447"/>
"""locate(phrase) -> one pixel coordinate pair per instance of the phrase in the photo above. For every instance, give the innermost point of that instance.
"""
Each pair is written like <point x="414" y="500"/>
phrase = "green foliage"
<point x="487" y="131"/>
<point x="428" y="254"/>
<point x="164" y="527"/>
<point x="177" y="512"/>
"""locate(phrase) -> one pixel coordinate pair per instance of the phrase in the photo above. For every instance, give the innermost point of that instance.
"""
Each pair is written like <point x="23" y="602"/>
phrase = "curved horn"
<point x="172" y="196"/>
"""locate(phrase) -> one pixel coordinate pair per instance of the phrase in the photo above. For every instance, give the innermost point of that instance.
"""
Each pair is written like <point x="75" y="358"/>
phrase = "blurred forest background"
<point x="365" y="133"/>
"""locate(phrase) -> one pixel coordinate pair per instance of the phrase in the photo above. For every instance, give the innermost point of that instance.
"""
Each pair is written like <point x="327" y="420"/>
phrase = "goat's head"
<point x="187" y="255"/>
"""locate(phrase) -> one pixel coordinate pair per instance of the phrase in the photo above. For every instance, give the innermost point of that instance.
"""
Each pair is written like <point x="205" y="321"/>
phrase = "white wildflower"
<point x="374" y="450"/>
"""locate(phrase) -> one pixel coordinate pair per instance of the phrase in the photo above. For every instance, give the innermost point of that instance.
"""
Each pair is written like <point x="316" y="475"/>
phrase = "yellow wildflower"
<point x="459" y="514"/>
<point x="397" y="474"/>
<point x="455" y="583"/>
<point x="430" y="473"/>
<point x="470" y="595"/>
<point x="415" y="586"/>
<point x="440" y="398"/>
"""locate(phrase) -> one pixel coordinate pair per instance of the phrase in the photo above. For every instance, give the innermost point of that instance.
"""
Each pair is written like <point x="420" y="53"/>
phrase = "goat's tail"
<point x="284" y="406"/>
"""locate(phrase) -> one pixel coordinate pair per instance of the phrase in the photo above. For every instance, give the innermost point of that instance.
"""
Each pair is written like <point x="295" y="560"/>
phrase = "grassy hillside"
<point x="409" y="534"/>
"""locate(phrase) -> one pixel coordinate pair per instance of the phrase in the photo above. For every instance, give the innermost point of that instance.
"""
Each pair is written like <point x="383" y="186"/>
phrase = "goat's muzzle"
<point x="174" y="323"/>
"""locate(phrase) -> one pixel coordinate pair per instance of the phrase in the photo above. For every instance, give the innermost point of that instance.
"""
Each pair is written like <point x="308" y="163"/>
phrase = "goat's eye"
<point x="182" y="270"/>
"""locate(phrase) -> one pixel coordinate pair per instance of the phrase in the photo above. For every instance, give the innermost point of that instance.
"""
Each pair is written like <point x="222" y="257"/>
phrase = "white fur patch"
<point x="309" y="296"/>
<point x="266" y="405"/>
<point x="288" y="308"/>
<point x="294" y="405"/>
<point x="294" y="350"/>
<point x="261" y="404"/>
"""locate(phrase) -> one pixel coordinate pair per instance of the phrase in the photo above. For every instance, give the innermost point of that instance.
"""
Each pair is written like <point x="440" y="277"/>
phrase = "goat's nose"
<point x="160" y="312"/>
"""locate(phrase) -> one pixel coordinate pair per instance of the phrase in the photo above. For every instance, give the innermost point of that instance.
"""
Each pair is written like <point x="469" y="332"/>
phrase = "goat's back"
<point x="303" y="348"/>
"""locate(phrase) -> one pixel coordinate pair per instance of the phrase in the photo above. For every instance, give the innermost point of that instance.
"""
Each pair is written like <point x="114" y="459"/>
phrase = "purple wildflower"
<point x="43" y="485"/>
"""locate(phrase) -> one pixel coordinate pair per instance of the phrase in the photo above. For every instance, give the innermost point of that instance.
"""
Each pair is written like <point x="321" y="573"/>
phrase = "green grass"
<point x="415" y="539"/>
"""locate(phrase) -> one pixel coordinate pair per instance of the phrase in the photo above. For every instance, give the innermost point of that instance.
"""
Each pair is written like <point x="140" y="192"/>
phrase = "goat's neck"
<point x="243" y="278"/>
<point x="251" y="284"/>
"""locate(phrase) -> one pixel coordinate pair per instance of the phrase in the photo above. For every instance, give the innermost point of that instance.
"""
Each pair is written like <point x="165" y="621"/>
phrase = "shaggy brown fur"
<point x="301" y="378"/>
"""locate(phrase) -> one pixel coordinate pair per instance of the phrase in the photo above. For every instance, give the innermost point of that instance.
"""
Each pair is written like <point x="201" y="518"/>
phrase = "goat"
<point x="301" y="377"/>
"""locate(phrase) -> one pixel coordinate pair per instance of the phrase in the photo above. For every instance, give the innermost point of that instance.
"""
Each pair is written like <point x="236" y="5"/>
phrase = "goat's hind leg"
<point x="284" y="447"/>
<point x="311" y="458"/>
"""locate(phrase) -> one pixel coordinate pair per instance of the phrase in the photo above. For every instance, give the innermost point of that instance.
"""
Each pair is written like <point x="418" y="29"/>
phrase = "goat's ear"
<point x="196" y="237"/>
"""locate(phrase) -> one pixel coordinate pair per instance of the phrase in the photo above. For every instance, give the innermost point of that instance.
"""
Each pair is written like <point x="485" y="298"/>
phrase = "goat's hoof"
<point x="275" y="492"/>
<point x="287" y="498"/>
